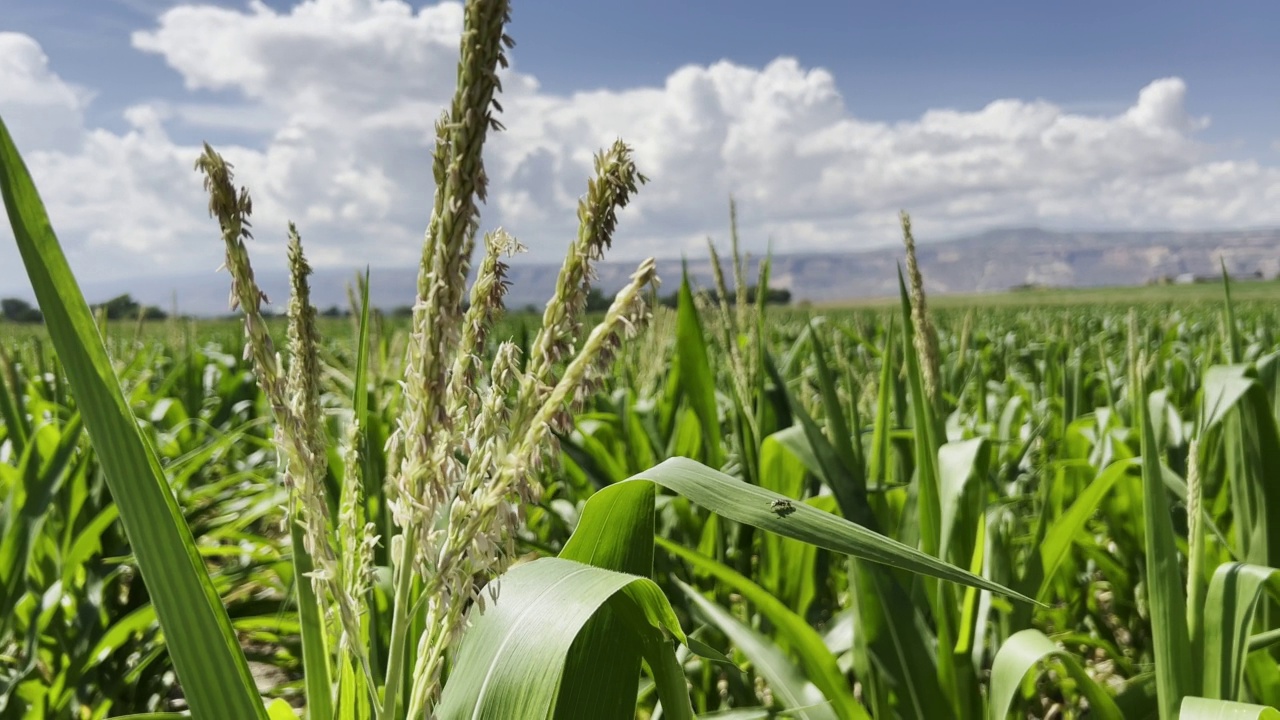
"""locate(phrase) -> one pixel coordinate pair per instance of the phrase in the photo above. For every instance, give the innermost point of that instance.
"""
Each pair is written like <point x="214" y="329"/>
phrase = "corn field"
<point x="718" y="510"/>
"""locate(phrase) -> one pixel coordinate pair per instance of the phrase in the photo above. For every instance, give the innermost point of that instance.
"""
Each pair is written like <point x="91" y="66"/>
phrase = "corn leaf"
<point x="697" y="381"/>
<point x="511" y="661"/>
<point x="1230" y="608"/>
<point x="215" y="677"/>
<point x="1165" y="586"/>
<point x="755" y="506"/>
<point x="1022" y="652"/>
<point x="1198" y="708"/>
<point x="818" y="663"/>
<point x="615" y="532"/>
<point x="797" y="694"/>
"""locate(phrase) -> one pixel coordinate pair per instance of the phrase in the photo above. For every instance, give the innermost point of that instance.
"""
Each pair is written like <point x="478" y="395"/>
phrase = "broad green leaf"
<point x="878" y="468"/>
<point x="280" y="710"/>
<point x="786" y="681"/>
<point x="1022" y="652"/>
<point x="1230" y="607"/>
<point x="318" y="674"/>
<point x="215" y="677"/>
<point x="29" y="502"/>
<point x="1234" y="344"/>
<point x="842" y="439"/>
<point x="1166" y="589"/>
<point x="896" y="640"/>
<point x="1252" y="450"/>
<point x="841" y="478"/>
<point x="1138" y="699"/>
<point x="787" y="567"/>
<point x="754" y="506"/>
<point x="817" y="661"/>
<point x="511" y="660"/>
<point x="615" y="532"/>
<point x="1198" y="708"/>
<point x="697" y="381"/>
<point x="927" y="437"/>
<point x="1062" y="534"/>
<point x="960" y="466"/>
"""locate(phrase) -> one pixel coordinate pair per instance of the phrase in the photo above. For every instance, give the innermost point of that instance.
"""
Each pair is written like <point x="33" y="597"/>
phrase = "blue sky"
<point x="822" y="117"/>
<point x="892" y="60"/>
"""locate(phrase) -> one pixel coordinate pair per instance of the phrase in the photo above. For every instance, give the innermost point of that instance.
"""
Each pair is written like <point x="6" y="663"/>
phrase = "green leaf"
<point x="787" y="567"/>
<point x="1064" y="531"/>
<point x="879" y="460"/>
<point x="927" y="440"/>
<point x="512" y="659"/>
<point x="817" y="661"/>
<point x="753" y="505"/>
<point x="315" y="644"/>
<point x="214" y="675"/>
<point x="842" y="439"/>
<point x="787" y="683"/>
<point x="29" y="502"/>
<point x="615" y="532"/>
<point x="697" y="381"/>
<point x="1230" y="607"/>
<point x="960" y="474"/>
<point x="1022" y="652"/>
<point x="1198" y="708"/>
<point x="1165" y="586"/>
<point x="1252" y="450"/>
<point x="1234" y="344"/>
<point x="281" y="710"/>
<point x="893" y="636"/>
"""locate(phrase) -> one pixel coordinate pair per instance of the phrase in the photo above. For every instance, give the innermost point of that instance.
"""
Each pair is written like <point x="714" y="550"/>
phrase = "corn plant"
<point x="472" y="435"/>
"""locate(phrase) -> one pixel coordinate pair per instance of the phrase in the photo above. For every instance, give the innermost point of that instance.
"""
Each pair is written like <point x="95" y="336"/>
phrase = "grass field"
<point x="1179" y="295"/>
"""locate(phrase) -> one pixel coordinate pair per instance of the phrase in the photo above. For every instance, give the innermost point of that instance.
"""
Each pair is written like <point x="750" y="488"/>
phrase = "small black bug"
<point x="782" y="506"/>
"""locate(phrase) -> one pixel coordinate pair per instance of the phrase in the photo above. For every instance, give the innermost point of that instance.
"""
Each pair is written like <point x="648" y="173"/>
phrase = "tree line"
<point x="17" y="310"/>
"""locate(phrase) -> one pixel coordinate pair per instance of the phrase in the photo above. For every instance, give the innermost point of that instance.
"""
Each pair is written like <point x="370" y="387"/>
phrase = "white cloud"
<point x="343" y="94"/>
<point x="39" y="107"/>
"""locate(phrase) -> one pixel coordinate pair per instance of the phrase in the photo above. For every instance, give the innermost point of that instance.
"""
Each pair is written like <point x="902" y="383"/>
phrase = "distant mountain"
<point x="991" y="262"/>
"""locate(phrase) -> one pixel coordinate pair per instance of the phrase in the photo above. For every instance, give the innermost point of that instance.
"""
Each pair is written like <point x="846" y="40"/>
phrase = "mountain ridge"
<point x="993" y="261"/>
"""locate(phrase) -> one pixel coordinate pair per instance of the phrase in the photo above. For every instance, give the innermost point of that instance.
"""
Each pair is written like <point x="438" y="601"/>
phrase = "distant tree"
<point x="121" y="306"/>
<point x="597" y="301"/>
<point x="124" y="307"/>
<point x="773" y="296"/>
<point x="19" y="311"/>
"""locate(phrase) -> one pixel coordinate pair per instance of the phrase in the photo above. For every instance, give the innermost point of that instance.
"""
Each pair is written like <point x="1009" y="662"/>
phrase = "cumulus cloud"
<point x="342" y="95"/>
<point x="38" y="105"/>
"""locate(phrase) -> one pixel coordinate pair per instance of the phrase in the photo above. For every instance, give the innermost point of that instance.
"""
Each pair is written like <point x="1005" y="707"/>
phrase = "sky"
<point x="822" y="119"/>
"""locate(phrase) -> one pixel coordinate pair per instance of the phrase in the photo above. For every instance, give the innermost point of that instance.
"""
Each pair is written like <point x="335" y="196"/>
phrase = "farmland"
<point x="1038" y="465"/>
<point x="1045" y="505"/>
